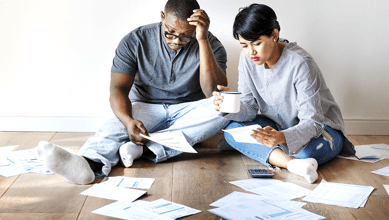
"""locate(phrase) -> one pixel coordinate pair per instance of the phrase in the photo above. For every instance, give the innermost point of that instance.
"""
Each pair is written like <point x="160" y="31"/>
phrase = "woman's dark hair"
<point x="182" y="9"/>
<point x="254" y="21"/>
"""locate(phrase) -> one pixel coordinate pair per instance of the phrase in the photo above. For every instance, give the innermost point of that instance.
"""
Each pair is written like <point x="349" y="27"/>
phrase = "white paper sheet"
<point x="113" y="193"/>
<point x="243" y="134"/>
<point x="257" y="208"/>
<point x="131" y="182"/>
<point x="282" y="191"/>
<point x="345" y="195"/>
<point x="386" y="188"/>
<point x="383" y="171"/>
<point x="249" y="184"/>
<point x="172" y="139"/>
<point x="127" y="210"/>
<point x="19" y="162"/>
<point x="169" y="209"/>
<point x="366" y="153"/>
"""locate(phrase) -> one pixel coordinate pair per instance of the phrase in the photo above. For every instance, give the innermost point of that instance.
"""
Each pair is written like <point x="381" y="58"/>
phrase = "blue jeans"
<point x="198" y="121"/>
<point x="323" y="148"/>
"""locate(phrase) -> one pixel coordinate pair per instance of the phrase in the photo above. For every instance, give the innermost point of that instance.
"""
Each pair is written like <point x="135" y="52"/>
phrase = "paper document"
<point x="132" y="182"/>
<point x="243" y="134"/>
<point x="172" y="139"/>
<point x="258" y="207"/>
<point x="127" y="210"/>
<point x="366" y="153"/>
<point x="386" y="188"/>
<point x="169" y="209"/>
<point x="383" y="171"/>
<point x="14" y="163"/>
<point x="113" y="193"/>
<point x="345" y="195"/>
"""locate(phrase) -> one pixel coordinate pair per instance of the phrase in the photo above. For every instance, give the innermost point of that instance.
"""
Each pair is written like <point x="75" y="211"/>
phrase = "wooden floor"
<point x="195" y="180"/>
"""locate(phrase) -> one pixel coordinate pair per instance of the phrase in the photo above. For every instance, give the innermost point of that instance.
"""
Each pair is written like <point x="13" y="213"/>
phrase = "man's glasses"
<point x="172" y="37"/>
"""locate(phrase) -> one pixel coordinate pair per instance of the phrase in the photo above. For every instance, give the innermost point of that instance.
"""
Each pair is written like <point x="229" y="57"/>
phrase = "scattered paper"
<point x="172" y="139"/>
<point x="169" y="209"/>
<point x="257" y="207"/>
<point x="113" y="192"/>
<point x="249" y="184"/>
<point x="383" y="171"/>
<point x="344" y="195"/>
<point x="386" y="188"/>
<point x="131" y="182"/>
<point x="243" y="134"/>
<point x="283" y="190"/>
<point x="272" y="188"/>
<point x="366" y="153"/>
<point x="128" y="210"/>
<point x="14" y="163"/>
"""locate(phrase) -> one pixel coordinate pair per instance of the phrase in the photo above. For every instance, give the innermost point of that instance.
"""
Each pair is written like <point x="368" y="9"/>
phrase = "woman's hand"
<point x="269" y="136"/>
<point x="217" y="97"/>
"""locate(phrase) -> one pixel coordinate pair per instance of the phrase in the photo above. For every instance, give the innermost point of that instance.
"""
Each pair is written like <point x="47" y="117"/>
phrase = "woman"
<point x="302" y="126"/>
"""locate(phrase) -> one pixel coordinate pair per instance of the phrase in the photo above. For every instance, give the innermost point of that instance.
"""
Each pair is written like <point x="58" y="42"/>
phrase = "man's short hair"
<point x="182" y="9"/>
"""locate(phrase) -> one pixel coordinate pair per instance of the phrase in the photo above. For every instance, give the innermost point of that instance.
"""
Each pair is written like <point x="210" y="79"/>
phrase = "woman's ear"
<point x="276" y="35"/>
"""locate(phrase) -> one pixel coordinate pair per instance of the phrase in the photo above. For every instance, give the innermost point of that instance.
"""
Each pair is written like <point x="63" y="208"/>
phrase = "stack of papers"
<point x="345" y="195"/>
<point x="370" y="153"/>
<point x="271" y="188"/>
<point x="132" y="182"/>
<point x="13" y="163"/>
<point x="238" y="205"/>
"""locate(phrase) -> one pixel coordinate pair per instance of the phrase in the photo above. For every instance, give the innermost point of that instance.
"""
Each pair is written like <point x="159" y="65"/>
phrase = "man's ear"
<point x="162" y="16"/>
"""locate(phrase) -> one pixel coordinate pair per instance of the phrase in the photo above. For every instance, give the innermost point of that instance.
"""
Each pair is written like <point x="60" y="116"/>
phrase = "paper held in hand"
<point x="243" y="134"/>
<point x="172" y="139"/>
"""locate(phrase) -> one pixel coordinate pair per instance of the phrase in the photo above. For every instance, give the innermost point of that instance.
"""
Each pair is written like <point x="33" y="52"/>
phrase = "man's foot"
<point x="223" y="145"/>
<point x="304" y="167"/>
<point x="72" y="167"/>
<point x="129" y="152"/>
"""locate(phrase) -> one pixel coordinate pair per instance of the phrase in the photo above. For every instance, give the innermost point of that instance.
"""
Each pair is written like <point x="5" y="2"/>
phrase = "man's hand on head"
<point x="200" y="19"/>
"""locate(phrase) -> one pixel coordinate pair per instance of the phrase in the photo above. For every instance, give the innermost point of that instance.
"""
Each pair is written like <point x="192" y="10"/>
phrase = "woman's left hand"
<point x="269" y="136"/>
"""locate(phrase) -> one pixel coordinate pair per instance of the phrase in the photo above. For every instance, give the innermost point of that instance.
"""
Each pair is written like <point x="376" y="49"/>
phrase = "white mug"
<point x="230" y="102"/>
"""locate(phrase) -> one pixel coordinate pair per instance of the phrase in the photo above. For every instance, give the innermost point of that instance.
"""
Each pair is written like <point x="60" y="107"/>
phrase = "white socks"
<point x="304" y="167"/>
<point x="129" y="152"/>
<point x="72" y="167"/>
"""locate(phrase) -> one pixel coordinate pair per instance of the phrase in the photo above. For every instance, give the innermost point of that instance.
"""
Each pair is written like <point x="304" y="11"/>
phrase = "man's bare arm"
<point x="120" y="87"/>
<point x="211" y="74"/>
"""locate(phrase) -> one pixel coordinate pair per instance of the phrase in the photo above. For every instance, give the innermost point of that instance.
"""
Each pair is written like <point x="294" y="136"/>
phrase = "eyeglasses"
<point x="172" y="37"/>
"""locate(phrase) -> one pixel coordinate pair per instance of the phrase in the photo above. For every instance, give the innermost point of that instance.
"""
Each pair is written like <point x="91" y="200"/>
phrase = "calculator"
<point x="259" y="172"/>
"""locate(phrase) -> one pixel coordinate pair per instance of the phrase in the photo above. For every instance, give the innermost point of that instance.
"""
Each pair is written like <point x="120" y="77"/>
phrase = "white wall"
<point x="55" y="56"/>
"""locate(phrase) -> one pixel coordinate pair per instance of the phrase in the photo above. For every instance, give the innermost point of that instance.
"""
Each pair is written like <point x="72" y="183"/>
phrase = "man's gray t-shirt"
<point x="161" y="74"/>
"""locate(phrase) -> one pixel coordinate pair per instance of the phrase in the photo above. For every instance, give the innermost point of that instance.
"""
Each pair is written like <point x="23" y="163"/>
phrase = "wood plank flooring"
<point x="195" y="180"/>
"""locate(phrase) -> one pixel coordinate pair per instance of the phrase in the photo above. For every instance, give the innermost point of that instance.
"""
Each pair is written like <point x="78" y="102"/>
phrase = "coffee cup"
<point x="230" y="102"/>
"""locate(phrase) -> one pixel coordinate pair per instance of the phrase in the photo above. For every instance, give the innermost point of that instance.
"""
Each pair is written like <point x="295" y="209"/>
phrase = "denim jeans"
<point x="198" y="121"/>
<point x="323" y="148"/>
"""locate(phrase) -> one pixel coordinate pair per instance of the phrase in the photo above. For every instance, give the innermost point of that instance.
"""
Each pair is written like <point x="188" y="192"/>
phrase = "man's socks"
<point x="304" y="167"/>
<point x="72" y="167"/>
<point x="129" y="152"/>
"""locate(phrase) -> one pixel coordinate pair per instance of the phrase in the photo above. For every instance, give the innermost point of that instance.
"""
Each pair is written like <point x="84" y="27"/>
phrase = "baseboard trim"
<point x="70" y="123"/>
<point x="51" y="123"/>
<point x="366" y="126"/>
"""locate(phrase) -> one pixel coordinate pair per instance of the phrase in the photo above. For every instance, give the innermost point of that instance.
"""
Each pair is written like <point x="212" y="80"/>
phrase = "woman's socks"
<point x="129" y="152"/>
<point x="72" y="167"/>
<point x="304" y="167"/>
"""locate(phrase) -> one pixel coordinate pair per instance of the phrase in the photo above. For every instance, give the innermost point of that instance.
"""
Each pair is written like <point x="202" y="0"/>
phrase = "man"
<point x="160" y="77"/>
